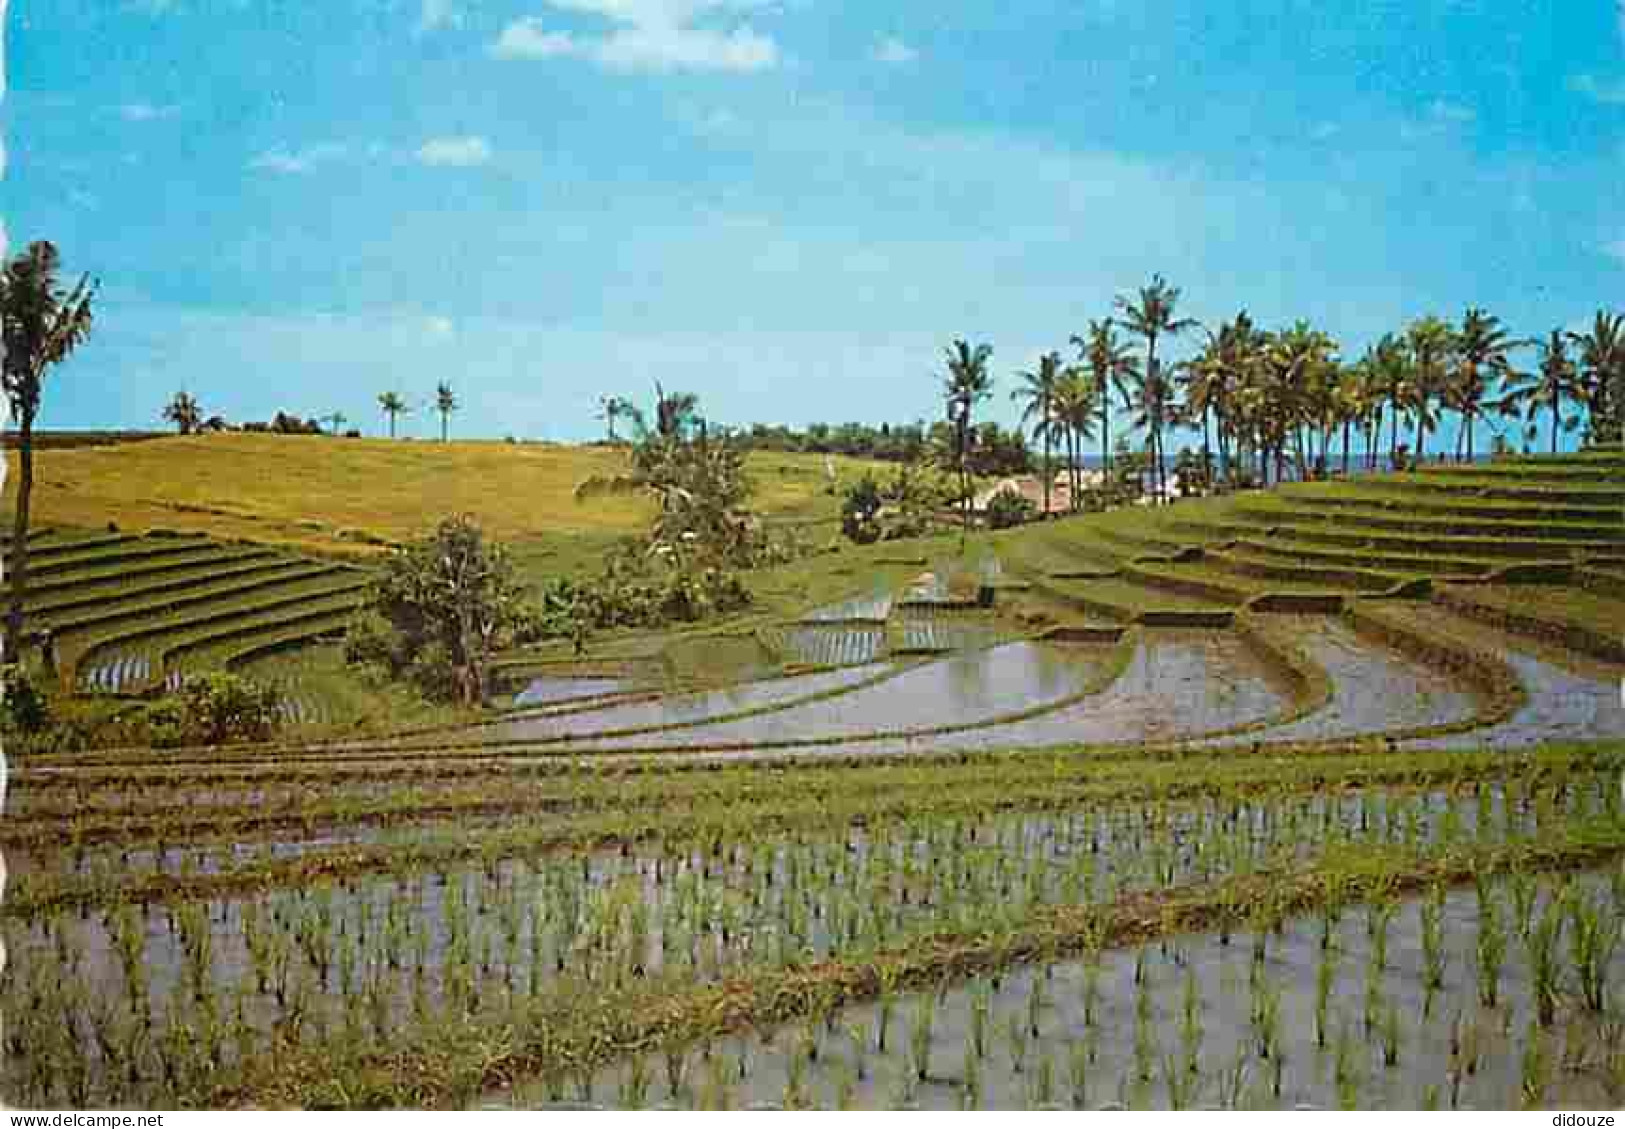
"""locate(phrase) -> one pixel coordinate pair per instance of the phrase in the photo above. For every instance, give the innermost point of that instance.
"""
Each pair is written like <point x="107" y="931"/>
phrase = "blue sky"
<point x="786" y="207"/>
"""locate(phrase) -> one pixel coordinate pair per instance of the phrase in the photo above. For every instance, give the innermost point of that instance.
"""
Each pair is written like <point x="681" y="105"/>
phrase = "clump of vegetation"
<point x="1009" y="508"/>
<point x="444" y="605"/>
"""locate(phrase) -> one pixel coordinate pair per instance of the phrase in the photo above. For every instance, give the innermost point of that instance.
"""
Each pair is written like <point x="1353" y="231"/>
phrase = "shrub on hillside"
<point x="860" y="511"/>
<point x="444" y="605"/>
<point x="1008" y="508"/>
<point x="25" y="706"/>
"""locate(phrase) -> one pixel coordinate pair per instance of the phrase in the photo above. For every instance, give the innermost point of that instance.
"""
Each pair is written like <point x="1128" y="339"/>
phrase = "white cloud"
<point x="648" y="35"/>
<point x="1453" y="113"/>
<point x="894" y="51"/>
<point x="455" y="152"/>
<point x="527" y="39"/>
<point x="290" y="162"/>
<point x="1439" y="118"/>
<point x="438" y="328"/>
<point x="436" y="15"/>
<point x="1607" y="91"/>
<point x="146" y="111"/>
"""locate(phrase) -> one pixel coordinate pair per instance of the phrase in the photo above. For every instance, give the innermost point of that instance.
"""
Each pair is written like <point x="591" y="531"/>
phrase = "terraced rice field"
<point x="132" y="613"/>
<point x="1256" y="802"/>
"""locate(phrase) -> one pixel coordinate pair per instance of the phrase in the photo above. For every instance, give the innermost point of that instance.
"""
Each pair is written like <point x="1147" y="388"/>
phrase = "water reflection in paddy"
<point x="961" y="689"/>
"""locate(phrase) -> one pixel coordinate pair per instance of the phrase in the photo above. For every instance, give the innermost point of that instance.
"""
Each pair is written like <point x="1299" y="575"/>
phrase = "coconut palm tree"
<point x="675" y="412"/>
<point x="393" y="406"/>
<point x="1602" y="367"/>
<point x="1151" y="314"/>
<point x="1211" y="378"/>
<point x="336" y="420"/>
<point x="1557" y="379"/>
<point x="611" y="409"/>
<point x="1075" y="410"/>
<point x="968" y="384"/>
<point x="1390" y="372"/>
<point x="1036" y="395"/>
<point x="1111" y="367"/>
<point x="1482" y="345"/>
<point x="183" y="411"/>
<point x="445" y="402"/>
<point x="41" y="324"/>
<point x="1432" y="344"/>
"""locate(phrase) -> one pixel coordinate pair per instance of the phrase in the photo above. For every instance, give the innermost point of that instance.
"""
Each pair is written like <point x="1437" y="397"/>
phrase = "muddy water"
<point x="1176" y="685"/>
<point x="964" y="688"/>
<point x="549" y="691"/>
<point x="1176" y="1025"/>
<point x="1373" y="688"/>
<point x="1570" y="698"/>
<point x="682" y="708"/>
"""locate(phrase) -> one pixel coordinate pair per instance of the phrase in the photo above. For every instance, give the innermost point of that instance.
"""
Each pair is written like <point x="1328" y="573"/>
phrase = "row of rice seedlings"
<point x="1202" y="1022"/>
<point x="1166" y="837"/>
<point x="721" y="909"/>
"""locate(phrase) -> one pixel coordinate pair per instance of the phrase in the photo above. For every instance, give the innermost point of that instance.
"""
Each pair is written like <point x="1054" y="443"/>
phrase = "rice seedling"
<point x="1541" y="945"/>
<point x="1016" y="1043"/>
<point x="920" y="1029"/>
<point x="1078" y="1059"/>
<point x="1431" y="911"/>
<point x="1533" y="1067"/>
<point x="1593" y="937"/>
<point x="1490" y="952"/>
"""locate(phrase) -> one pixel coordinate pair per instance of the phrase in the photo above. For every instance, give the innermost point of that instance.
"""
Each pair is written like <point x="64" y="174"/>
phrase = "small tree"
<point x="451" y="596"/>
<point x="860" y="511"/>
<point x="183" y="411"/>
<point x="40" y="325"/>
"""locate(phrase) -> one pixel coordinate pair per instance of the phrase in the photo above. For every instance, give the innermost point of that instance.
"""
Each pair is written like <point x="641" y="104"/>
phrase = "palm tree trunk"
<point x="1049" y="475"/>
<point x="1348" y="425"/>
<point x="1556" y="409"/>
<point x="18" y="556"/>
<point x="1106" y="428"/>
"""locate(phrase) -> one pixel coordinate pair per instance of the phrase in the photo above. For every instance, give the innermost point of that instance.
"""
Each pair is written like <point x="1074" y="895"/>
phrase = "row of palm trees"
<point x="1266" y="399"/>
<point x="394" y="405"/>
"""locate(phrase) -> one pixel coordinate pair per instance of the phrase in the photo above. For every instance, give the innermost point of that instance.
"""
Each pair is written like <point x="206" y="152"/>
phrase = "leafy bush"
<point x="860" y="511"/>
<point x="26" y="708"/>
<point x="1008" y="508"/>
<point x="444" y="605"/>
<point x="218" y="707"/>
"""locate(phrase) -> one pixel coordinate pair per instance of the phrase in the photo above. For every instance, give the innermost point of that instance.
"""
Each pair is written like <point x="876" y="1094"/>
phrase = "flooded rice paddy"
<point x="682" y="709"/>
<point x="1393" y="1005"/>
<point x="964" y="688"/>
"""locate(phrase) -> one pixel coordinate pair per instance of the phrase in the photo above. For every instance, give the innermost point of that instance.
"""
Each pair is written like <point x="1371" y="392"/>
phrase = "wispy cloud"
<point x="295" y="161"/>
<point x="1607" y="91"/>
<point x="1441" y="116"/>
<point x="146" y="111"/>
<point x="647" y="35"/>
<point x="437" y="15"/>
<point x="1453" y="113"/>
<point x="894" y="51"/>
<point x="1615" y="250"/>
<point x="455" y="152"/>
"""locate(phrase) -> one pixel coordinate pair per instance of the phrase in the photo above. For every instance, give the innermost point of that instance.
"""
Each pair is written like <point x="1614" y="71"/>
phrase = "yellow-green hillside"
<point x="328" y="494"/>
